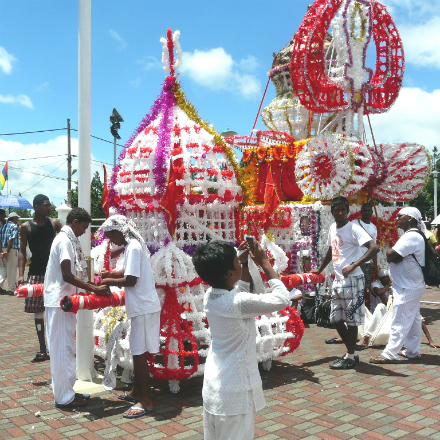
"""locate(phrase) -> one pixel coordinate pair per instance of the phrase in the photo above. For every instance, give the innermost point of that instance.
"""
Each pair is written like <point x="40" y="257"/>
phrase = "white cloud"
<point x="42" y="87"/>
<point x="421" y="42"/>
<point x="118" y="38"/>
<point x="21" y="178"/>
<point x="19" y="99"/>
<point x="215" y="69"/>
<point x="6" y="60"/>
<point x="413" y="118"/>
<point x="136" y="82"/>
<point x="414" y="8"/>
<point x="150" y="63"/>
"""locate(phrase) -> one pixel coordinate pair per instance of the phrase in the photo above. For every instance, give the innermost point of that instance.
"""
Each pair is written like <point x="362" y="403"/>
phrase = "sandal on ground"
<point x="41" y="356"/>
<point x="143" y="412"/>
<point x="383" y="360"/>
<point x="360" y="347"/>
<point x="127" y="398"/>
<point x="82" y="396"/>
<point x="333" y="341"/>
<point x="73" y="404"/>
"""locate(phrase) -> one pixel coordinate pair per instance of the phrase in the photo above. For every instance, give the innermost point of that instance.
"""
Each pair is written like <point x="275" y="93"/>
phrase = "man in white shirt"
<point x="345" y="240"/>
<point x="66" y="269"/>
<point x="370" y="228"/>
<point x="406" y="258"/>
<point x="232" y="389"/>
<point x="142" y="306"/>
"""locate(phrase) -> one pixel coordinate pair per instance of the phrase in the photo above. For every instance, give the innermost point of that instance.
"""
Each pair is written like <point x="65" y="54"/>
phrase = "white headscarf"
<point x="383" y="273"/>
<point x="127" y="227"/>
<point x="415" y="214"/>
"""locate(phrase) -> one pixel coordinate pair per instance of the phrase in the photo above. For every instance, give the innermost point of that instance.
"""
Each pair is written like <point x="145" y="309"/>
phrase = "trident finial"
<point x="169" y="43"/>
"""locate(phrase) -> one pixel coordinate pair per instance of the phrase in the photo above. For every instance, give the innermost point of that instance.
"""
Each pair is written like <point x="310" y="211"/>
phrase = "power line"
<point x="31" y="132"/>
<point x="44" y="178"/>
<point x="40" y="157"/>
<point x="104" y="140"/>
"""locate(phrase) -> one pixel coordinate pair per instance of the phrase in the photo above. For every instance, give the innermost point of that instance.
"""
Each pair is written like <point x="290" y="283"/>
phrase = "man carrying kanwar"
<point x="406" y="258"/>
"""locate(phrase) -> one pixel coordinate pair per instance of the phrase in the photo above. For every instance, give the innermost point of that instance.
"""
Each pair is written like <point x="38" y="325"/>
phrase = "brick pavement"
<point x="305" y="399"/>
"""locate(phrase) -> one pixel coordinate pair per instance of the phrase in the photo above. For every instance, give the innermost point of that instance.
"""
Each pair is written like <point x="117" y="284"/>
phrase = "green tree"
<point x="97" y="188"/>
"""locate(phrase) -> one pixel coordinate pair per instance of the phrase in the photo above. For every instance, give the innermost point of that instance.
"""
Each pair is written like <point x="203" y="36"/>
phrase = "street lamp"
<point x="228" y="133"/>
<point x="116" y="120"/>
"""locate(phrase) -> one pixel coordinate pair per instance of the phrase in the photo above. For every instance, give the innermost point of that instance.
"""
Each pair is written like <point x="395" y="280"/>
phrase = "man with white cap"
<point x="10" y="243"/>
<point x="406" y="258"/>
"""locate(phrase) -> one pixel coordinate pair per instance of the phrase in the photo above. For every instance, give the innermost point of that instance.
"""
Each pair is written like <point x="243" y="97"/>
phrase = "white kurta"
<point x="231" y="368"/>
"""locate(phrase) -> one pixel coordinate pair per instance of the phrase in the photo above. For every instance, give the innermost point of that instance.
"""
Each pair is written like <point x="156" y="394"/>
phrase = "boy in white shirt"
<point x="66" y="269"/>
<point x="142" y="306"/>
<point x="345" y="240"/>
<point x="232" y="389"/>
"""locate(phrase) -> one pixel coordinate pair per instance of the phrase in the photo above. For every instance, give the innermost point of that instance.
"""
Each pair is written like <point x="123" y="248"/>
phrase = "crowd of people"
<point x="232" y="388"/>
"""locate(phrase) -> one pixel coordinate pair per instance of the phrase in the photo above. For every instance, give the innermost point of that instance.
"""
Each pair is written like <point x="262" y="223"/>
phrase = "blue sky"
<point x="227" y="46"/>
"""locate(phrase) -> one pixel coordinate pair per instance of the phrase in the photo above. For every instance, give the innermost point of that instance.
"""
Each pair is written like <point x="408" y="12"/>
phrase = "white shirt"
<point x="231" y="368"/>
<point x="408" y="274"/>
<point x="375" y="299"/>
<point x="346" y="244"/>
<point x="55" y="288"/>
<point x="142" y="297"/>
<point x="371" y="231"/>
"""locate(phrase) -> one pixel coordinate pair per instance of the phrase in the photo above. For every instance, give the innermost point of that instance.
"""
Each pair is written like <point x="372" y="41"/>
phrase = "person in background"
<point x="2" y="217"/>
<point x="365" y="223"/>
<point x="9" y="246"/>
<point x="39" y="234"/>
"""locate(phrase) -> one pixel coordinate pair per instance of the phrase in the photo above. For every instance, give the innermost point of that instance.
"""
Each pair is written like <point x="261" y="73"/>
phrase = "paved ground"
<point x="305" y="399"/>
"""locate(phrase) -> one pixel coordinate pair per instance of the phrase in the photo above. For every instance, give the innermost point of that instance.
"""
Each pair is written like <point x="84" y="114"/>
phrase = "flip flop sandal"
<point x="127" y="398"/>
<point x="360" y="347"/>
<point x="383" y="360"/>
<point x="144" y="412"/>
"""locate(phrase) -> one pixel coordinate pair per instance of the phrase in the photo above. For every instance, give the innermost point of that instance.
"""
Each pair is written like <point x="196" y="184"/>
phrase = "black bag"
<point x="307" y="312"/>
<point x="322" y="314"/>
<point x="431" y="269"/>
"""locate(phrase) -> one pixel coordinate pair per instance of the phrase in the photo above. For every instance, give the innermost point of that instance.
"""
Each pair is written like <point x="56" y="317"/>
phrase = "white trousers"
<point x="406" y="326"/>
<point x="8" y="269"/>
<point x="60" y="334"/>
<point x="238" y="427"/>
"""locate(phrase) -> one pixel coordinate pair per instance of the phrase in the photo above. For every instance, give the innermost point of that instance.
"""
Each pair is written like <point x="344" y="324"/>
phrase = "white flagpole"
<point x="84" y="327"/>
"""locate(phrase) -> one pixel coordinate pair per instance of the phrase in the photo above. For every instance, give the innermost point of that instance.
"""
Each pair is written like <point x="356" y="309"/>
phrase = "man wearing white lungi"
<point x="66" y="259"/>
<point x="406" y="258"/>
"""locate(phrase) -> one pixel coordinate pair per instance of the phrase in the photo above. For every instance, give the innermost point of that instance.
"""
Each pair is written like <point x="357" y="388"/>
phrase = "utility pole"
<point x="435" y="174"/>
<point x="69" y="167"/>
<point x="116" y="120"/>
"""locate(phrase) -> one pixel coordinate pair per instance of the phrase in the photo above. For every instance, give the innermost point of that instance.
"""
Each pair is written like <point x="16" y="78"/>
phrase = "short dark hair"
<point x="340" y="201"/>
<point x="39" y="199"/>
<point x="79" y="214"/>
<point x="368" y="205"/>
<point x="213" y="260"/>
<point x="2" y="211"/>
